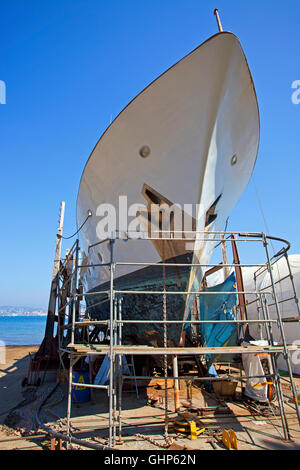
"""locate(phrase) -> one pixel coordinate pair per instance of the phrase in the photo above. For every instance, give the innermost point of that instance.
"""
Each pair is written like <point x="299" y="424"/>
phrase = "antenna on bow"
<point x="216" y="12"/>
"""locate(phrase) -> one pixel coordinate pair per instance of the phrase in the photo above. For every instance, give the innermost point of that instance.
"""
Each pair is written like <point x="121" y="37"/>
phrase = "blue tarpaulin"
<point x="218" y="307"/>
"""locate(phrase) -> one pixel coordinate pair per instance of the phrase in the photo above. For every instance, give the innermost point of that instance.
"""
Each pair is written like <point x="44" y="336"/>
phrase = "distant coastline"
<point x="21" y="311"/>
<point x="23" y="315"/>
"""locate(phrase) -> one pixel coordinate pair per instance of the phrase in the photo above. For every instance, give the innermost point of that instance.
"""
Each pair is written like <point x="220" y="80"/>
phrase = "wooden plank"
<point x="144" y="350"/>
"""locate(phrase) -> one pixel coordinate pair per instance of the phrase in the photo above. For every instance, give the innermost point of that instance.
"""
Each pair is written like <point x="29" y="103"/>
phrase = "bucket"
<point x="81" y="394"/>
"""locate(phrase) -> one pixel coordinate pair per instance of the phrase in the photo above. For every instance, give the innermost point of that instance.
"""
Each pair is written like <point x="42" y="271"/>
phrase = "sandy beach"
<point x="12" y="372"/>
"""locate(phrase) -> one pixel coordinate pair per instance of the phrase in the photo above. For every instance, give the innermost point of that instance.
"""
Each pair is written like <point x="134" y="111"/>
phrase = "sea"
<point x="22" y="330"/>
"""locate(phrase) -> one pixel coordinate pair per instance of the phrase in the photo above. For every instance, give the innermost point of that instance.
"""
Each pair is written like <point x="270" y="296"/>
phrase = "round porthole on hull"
<point x="145" y="151"/>
<point x="234" y="160"/>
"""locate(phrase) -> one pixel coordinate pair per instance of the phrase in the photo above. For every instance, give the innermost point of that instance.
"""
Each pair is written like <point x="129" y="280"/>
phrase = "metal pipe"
<point x="186" y="265"/>
<point x="167" y="292"/>
<point x="102" y="387"/>
<point x="259" y="301"/>
<point x="97" y="265"/>
<point x="69" y="397"/>
<point x="120" y="362"/>
<point x="74" y="290"/>
<point x="282" y="301"/>
<point x="175" y="265"/>
<point x="286" y="355"/>
<point x="176" y="383"/>
<point x="200" y="379"/>
<point x="111" y="350"/>
<point x="114" y="414"/>
<point x="146" y="233"/>
<point x="165" y="345"/>
<point x="196" y="322"/>
<point x="186" y="239"/>
<point x="183" y="292"/>
<point x="115" y="320"/>
<point x="107" y="292"/>
<point x="277" y="282"/>
<point x="115" y="366"/>
<point x="266" y="315"/>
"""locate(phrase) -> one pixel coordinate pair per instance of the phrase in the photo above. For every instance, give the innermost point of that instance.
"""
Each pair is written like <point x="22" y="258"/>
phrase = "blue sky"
<point x="71" y="65"/>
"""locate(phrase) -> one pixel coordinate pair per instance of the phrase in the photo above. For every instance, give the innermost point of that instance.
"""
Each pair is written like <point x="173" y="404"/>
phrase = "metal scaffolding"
<point x="74" y="332"/>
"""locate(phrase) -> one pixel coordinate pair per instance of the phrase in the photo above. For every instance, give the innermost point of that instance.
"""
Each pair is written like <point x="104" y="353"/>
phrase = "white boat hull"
<point x="198" y="119"/>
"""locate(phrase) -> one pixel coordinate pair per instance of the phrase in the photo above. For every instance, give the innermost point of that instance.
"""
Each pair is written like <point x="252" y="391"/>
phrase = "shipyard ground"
<point x="18" y="430"/>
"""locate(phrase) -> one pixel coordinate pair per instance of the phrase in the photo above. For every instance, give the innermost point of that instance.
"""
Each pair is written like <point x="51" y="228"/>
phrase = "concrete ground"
<point x="142" y="424"/>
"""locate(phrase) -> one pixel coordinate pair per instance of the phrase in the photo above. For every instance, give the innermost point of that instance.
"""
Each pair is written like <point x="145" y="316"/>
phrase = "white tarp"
<point x="102" y="376"/>
<point x="255" y="387"/>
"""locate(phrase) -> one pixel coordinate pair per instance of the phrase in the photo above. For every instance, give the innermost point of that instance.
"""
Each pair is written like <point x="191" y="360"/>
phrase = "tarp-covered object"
<point x="218" y="307"/>
<point x="256" y="388"/>
<point x="102" y="376"/>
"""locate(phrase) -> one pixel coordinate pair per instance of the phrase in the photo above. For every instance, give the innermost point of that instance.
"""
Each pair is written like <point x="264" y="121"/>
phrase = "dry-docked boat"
<point x="190" y="138"/>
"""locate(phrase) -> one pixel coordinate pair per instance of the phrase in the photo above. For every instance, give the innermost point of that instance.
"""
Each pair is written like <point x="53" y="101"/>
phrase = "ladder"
<point x="131" y="369"/>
